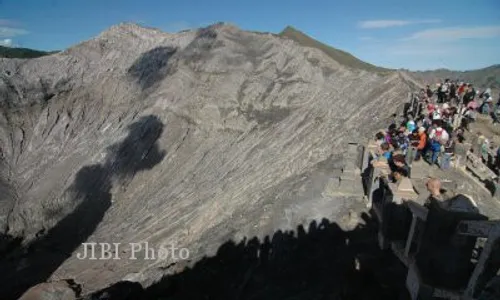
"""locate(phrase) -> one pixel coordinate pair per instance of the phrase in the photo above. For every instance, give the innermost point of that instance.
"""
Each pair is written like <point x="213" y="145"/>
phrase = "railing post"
<point x="478" y="270"/>
<point x="411" y="234"/>
<point x="366" y="160"/>
<point x="410" y="155"/>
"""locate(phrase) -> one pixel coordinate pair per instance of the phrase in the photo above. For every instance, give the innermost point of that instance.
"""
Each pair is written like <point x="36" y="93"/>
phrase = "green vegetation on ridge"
<point x="340" y="56"/>
<point x="8" y="52"/>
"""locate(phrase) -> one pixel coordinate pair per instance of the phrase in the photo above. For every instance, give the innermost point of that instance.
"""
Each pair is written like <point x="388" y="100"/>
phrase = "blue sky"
<point x="418" y="35"/>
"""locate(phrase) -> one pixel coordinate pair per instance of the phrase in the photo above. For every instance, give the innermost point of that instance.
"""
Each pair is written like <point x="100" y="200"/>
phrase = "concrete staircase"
<point x="350" y="179"/>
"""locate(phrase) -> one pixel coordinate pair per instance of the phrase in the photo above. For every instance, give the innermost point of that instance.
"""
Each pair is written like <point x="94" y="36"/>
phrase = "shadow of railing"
<point x="36" y="261"/>
<point x="321" y="262"/>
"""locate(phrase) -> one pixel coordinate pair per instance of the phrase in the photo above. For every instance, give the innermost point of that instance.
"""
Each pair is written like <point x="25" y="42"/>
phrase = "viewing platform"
<point x="417" y="234"/>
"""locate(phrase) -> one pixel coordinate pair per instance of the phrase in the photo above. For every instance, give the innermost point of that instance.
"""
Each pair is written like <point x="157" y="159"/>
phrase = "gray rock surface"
<point x="193" y="138"/>
<point x="60" y="290"/>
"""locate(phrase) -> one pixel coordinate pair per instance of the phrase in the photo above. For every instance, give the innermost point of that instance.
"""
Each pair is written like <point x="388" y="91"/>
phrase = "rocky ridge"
<point x="194" y="138"/>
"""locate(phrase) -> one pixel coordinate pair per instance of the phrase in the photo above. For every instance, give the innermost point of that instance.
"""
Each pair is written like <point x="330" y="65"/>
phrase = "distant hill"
<point x="340" y="56"/>
<point x="8" y="52"/>
<point x="482" y="78"/>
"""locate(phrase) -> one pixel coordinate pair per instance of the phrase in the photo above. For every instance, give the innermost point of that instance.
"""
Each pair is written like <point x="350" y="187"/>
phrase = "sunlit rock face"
<point x="194" y="138"/>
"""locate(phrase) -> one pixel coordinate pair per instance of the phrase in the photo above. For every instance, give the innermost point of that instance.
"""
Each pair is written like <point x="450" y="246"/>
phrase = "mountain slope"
<point x="488" y="77"/>
<point x="340" y="56"/>
<point x="193" y="138"/>
<point x="8" y="52"/>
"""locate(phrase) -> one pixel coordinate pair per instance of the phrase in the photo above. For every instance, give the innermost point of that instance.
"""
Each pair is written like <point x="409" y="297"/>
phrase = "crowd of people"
<point x="431" y="127"/>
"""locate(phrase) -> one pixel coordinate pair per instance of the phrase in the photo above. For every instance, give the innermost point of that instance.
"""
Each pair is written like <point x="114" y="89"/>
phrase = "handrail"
<point x="417" y="209"/>
<point x="493" y="236"/>
<point x="477" y="163"/>
<point x="480" y="229"/>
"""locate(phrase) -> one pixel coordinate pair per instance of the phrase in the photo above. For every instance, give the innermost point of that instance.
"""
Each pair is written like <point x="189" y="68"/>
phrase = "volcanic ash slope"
<point x="194" y="138"/>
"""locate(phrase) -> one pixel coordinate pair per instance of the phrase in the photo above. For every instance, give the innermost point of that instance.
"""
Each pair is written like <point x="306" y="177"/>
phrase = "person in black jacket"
<point x="469" y="96"/>
<point x="453" y="92"/>
<point x="429" y="92"/>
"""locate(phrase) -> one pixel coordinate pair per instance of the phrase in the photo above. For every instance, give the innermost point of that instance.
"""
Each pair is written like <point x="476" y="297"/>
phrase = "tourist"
<point x="421" y="144"/>
<point x="469" y="95"/>
<point x="433" y="185"/>
<point x="398" y="164"/>
<point x="435" y="148"/>
<point x="380" y="138"/>
<point x="402" y="141"/>
<point x="461" y="90"/>
<point x="429" y="92"/>
<point x="449" y="150"/>
<point x="385" y="151"/>
<point x="452" y="94"/>
<point x="495" y="114"/>
<point x="383" y="156"/>
<point x="468" y="117"/>
<point x="410" y="125"/>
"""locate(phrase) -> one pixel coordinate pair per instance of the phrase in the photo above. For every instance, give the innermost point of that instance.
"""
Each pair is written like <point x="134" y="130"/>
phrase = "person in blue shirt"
<point x="435" y="148"/>
<point x="386" y="152"/>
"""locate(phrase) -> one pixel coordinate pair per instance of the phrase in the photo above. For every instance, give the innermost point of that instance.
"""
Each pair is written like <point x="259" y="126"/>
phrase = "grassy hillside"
<point x="482" y="78"/>
<point x="8" y="52"/>
<point x="340" y="56"/>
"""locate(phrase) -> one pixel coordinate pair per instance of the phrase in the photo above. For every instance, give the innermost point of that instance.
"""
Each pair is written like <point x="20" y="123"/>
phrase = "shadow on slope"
<point x="323" y="262"/>
<point x="92" y="187"/>
<point x="151" y="66"/>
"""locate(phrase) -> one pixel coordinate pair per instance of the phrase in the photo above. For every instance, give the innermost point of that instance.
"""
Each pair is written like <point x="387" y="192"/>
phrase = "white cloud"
<point x="370" y="24"/>
<point x="6" y="32"/>
<point x="422" y="50"/>
<point x="6" y="42"/>
<point x="456" y="33"/>
<point x="5" y="22"/>
<point x="440" y="47"/>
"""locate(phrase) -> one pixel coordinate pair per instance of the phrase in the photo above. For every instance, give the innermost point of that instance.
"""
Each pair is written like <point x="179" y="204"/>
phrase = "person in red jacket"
<point x="422" y="143"/>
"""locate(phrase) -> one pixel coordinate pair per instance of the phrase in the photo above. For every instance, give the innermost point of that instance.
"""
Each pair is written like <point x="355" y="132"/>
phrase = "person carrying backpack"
<point x="435" y="147"/>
